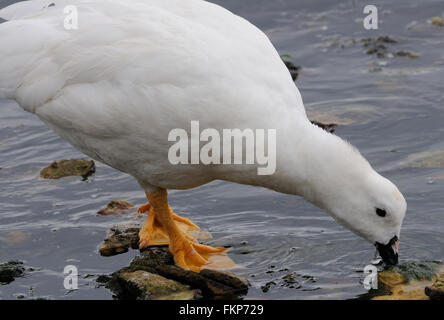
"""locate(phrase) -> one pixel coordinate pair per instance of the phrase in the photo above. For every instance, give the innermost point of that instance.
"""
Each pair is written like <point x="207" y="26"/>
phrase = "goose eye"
<point x="381" y="212"/>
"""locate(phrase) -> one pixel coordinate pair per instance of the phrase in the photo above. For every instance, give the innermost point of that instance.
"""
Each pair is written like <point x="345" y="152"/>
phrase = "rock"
<point x="119" y="240"/>
<point x="153" y="275"/>
<point x="150" y="259"/>
<point x="437" y="21"/>
<point x="143" y="285"/>
<point x="410" y="281"/>
<point x="116" y="207"/>
<point x="129" y="283"/>
<point x="66" y="168"/>
<point x="436" y="290"/>
<point x="213" y="284"/>
<point x="227" y="278"/>
<point x="416" y="270"/>
<point x="103" y="279"/>
<point x="11" y="270"/>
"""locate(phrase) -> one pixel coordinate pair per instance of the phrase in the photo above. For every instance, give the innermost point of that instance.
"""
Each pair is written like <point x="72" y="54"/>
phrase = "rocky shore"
<point x="152" y="275"/>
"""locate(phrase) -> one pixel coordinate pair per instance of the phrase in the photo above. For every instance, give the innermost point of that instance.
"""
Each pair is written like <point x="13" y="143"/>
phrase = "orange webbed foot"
<point x="154" y="234"/>
<point x="189" y="254"/>
<point x="164" y="227"/>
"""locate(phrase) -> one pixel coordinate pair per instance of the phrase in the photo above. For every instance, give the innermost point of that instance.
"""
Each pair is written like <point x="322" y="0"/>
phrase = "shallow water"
<point x="390" y="115"/>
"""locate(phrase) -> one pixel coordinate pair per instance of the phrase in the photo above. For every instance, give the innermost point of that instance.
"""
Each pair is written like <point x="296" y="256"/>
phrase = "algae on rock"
<point x="410" y="280"/>
<point x="67" y="168"/>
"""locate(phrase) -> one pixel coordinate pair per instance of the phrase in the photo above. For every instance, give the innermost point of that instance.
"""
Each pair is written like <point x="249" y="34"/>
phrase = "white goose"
<point x="135" y="70"/>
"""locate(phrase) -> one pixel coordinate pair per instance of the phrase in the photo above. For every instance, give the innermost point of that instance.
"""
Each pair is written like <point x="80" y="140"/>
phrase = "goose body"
<point x="135" y="70"/>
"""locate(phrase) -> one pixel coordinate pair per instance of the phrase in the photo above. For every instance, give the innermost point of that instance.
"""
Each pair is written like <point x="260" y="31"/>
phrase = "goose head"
<point x="372" y="207"/>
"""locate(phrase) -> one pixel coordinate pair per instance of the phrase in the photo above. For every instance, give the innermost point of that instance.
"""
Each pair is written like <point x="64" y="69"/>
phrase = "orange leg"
<point x="147" y="207"/>
<point x="188" y="253"/>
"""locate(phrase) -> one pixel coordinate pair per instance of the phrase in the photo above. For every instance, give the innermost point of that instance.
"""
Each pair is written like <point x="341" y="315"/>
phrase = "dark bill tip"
<point x="388" y="252"/>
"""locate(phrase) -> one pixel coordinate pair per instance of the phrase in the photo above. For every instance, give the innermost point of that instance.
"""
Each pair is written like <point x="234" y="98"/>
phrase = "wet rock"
<point x="213" y="284"/>
<point x="153" y="275"/>
<point x="67" y="168"/>
<point x="436" y="290"/>
<point x="416" y="270"/>
<point x="103" y="279"/>
<point x="128" y="283"/>
<point x="11" y="270"/>
<point x="143" y="285"/>
<point x="294" y="69"/>
<point x="119" y="240"/>
<point x="116" y="207"/>
<point x="437" y="21"/>
<point x="410" y="280"/>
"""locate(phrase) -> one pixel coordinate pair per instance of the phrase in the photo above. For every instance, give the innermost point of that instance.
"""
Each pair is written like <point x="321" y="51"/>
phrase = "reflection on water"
<point x="287" y="248"/>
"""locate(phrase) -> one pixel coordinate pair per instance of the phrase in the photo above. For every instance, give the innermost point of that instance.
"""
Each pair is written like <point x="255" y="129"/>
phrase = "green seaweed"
<point x="417" y="270"/>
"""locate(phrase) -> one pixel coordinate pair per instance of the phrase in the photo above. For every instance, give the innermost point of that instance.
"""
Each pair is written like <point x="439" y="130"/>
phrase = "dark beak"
<point x="389" y="251"/>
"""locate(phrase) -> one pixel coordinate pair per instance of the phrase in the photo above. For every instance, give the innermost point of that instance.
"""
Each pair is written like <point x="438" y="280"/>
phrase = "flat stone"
<point x="143" y="285"/>
<point x="213" y="284"/>
<point x="152" y="257"/>
<point x="68" y="168"/>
